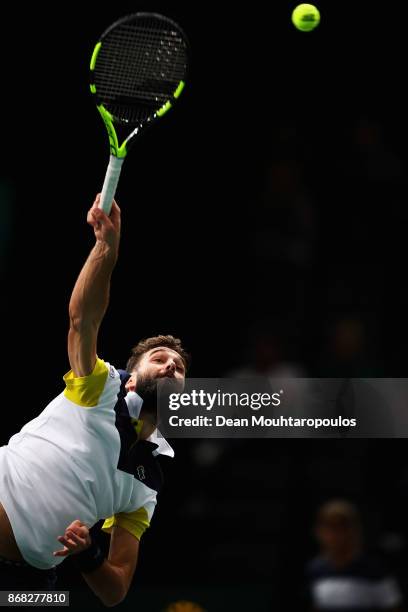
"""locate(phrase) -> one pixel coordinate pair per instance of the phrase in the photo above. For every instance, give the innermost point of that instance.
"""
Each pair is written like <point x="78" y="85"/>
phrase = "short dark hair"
<point x="339" y="511"/>
<point x="150" y="343"/>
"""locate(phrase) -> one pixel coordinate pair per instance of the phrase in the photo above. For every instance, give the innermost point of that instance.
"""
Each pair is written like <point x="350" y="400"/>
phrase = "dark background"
<point x="264" y="222"/>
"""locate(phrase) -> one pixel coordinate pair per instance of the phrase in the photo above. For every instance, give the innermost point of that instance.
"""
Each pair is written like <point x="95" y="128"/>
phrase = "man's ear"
<point x="131" y="383"/>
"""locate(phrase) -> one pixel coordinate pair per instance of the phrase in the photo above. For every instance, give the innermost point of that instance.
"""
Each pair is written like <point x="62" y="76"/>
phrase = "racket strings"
<point x="138" y="69"/>
<point x="127" y="48"/>
<point x="135" y="74"/>
<point x="131" y="114"/>
<point x="167" y="69"/>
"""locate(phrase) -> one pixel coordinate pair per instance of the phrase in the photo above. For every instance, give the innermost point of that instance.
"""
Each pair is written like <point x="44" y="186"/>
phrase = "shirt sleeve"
<point x="86" y="390"/>
<point x="135" y="522"/>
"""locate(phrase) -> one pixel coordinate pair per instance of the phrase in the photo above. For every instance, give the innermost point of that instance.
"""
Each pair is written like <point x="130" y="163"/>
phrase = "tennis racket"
<point x="138" y="70"/>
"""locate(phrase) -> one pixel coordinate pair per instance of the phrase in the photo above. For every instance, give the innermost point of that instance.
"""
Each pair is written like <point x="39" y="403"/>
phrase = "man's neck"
<point x="147" y="427"/>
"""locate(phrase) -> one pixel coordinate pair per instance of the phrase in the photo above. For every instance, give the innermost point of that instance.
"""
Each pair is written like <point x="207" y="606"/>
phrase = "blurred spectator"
<point x="269" y="352"/>
<point x="286" y="220"/>
<point x="344" y="576"/>
<point x="282" y="239"/>
<point x="184" y="606"/>
<point x="346" y="352"/>
<point x="373" y="158"/>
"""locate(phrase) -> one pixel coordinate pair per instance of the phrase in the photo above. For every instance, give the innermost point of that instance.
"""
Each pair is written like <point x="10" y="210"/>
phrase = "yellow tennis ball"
<point x="306" y="17"/>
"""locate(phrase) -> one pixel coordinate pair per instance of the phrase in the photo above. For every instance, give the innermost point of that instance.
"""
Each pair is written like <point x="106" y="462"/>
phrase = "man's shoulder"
<point x="88" y="391"/>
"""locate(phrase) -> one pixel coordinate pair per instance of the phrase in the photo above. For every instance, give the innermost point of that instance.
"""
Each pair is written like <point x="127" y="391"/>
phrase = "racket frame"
<point x="118" y="151"/>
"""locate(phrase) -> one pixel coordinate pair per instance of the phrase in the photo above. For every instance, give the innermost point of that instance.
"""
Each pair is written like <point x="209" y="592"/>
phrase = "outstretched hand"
<point x="106" y="228"/>
<point x="75" y="540"/>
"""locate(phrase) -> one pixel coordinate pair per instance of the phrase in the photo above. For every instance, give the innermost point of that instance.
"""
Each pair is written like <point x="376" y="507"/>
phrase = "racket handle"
<point x="110" y="183"/>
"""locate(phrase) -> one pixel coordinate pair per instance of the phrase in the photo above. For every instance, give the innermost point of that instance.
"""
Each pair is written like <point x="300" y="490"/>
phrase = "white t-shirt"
<point x="68" y="464"/>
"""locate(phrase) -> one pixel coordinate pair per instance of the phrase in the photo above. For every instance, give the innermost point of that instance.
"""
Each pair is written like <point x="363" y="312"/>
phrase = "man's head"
<point x="154" y="358"/>
<point x="338" y="528"/>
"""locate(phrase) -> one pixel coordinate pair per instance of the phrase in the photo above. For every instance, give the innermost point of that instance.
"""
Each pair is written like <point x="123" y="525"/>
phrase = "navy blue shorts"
<point x="15" y="576"/>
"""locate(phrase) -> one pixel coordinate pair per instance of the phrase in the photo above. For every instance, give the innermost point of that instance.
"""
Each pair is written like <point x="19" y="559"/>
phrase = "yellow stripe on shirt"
<point x="86" y="390"/>
<point x="135" y="522"/>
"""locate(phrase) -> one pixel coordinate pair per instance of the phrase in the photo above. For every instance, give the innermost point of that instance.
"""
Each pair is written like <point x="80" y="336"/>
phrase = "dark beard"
<point x="153" y="390"/>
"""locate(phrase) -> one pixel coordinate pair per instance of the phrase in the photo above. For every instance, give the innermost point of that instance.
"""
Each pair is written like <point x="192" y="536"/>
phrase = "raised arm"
<point x="90" y="297"/>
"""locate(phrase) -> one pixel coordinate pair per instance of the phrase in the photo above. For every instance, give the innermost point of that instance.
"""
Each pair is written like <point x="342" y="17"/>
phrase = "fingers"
<point x="74" y="540"/>
<point x="95" y="206"/>
<point x="115" y="210"/>
<point x="66" y="541"/>
<point x="100" y="220"/>
<point x="70" y="546"/>
<point x="115" y="213"/>
<point x="64" y="551"/>
<point x="61" y="553"/>
<point x="77" y="523"/>
<point x="78" y="529"/>
<point x="97" y="218"/>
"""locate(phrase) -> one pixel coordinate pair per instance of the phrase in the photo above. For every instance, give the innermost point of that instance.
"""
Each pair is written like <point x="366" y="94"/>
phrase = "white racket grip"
<point x="110" y="183"/>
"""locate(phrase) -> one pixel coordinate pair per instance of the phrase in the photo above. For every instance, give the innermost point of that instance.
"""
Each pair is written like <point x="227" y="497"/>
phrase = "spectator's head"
<point x="338" y="528"/>
<point x="368" y="133"/>
<point x="348" y="338"/>
<point x="268" y="342"/>
<point x="283" y="179"/>
<point x="184" y="606"/>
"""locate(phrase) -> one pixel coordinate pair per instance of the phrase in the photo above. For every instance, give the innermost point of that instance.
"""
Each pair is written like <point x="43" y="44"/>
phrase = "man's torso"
<point x="70" y="463"/>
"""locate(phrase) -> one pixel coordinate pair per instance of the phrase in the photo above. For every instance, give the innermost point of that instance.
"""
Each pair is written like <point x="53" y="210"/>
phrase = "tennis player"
<point x="92" y="453"/>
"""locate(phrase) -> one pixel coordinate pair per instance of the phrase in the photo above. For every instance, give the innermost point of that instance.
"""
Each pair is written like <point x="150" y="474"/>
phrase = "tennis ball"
<point x="306" y="17"/>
